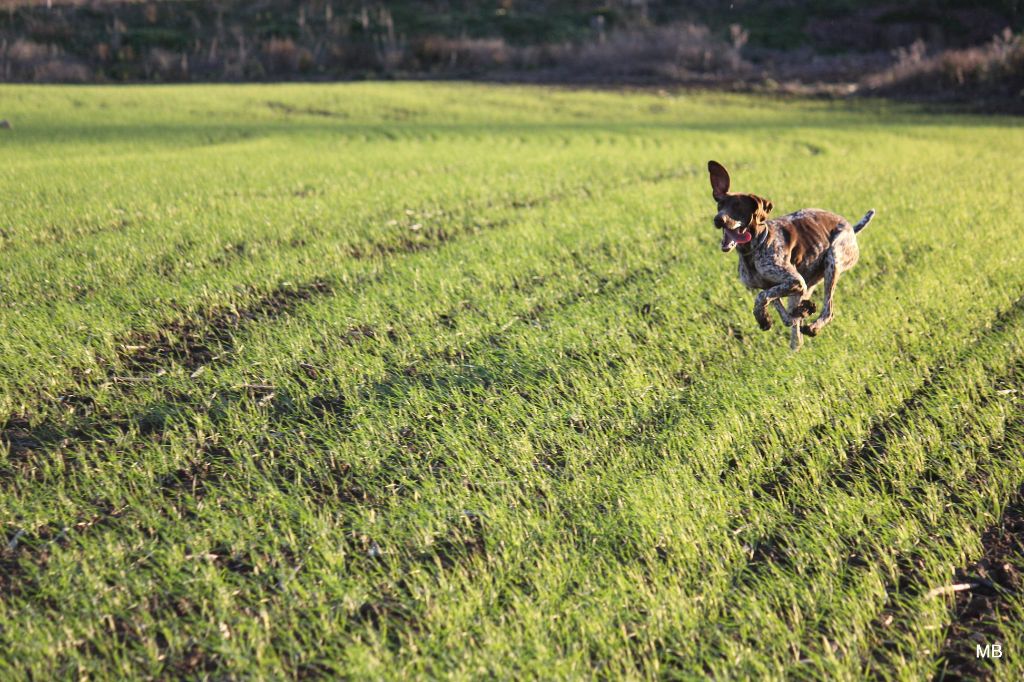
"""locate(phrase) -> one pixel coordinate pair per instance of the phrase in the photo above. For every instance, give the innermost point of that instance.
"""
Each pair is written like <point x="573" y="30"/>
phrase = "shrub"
<point x="62" y="70"/>
<point x="677" y="51"/>
<point x="164" y="65"/>
<point x="22" y="52"/>
<point x="437" y="52"/>
<point x="996" y="68"/>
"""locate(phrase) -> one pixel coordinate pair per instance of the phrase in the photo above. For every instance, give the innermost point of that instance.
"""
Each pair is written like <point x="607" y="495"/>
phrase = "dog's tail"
<point x="863" y="222"/>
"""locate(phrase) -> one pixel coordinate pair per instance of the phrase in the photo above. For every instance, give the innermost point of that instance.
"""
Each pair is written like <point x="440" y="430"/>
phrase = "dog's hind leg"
<point x="842" y="255"/>
<point x="830" y="281"/>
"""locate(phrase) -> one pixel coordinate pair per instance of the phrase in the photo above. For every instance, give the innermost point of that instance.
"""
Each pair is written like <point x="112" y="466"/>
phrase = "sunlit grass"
<point x="396" y="380"/>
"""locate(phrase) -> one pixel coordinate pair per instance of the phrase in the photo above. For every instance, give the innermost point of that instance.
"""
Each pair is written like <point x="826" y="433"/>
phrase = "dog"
<point x="785" y="256"/>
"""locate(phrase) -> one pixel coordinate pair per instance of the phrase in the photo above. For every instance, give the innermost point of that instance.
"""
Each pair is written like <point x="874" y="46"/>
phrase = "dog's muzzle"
<point x="732" y="238"/>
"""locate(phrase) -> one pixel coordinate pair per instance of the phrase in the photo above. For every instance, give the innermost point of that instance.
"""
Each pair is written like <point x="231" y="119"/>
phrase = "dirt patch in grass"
<point x="390" y="608"/>
<point x="21" y="546"/>
<point x="424" y="239"/>
<point x="378" y="610"/>
<point x="771" y="549"/>
<point x="288" y="109"/>
<point x="193" y="661"/>
<point x="980" y="609"/>
<point x="193" y="476"/>
<point x="463" y="539"/>
<point x="190" y="343"/>
<point x="24" y="441"/>
<point x="193" y="343"/>
<point x="21" y="439"/>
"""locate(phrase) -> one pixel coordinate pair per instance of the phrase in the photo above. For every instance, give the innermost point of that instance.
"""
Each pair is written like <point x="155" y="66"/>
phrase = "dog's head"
<point x="740" y="216"/>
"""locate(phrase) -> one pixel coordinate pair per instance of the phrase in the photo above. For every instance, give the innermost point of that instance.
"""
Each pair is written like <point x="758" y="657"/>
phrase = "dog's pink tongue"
<point x="743" y="238"/>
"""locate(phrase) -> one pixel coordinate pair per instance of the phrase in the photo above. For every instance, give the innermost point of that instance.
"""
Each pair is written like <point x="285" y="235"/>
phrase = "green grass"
<point x="399" y="380"/>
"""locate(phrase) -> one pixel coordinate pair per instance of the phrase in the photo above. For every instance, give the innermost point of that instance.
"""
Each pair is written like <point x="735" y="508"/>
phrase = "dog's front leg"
<point x="760" y="312"/>
<point x="792" y="285"/>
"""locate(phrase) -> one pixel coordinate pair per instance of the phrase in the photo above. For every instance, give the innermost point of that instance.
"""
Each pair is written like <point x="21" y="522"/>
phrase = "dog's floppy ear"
<point x="764" y="207"/>
<point x="719" y="180"/>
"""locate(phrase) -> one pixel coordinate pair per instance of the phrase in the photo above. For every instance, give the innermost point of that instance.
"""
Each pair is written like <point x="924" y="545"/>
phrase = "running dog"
<point x="785" y="256"/>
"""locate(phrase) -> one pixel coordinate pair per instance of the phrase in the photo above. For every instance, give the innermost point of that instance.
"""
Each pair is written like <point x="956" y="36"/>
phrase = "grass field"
<point x="421" y="380"/>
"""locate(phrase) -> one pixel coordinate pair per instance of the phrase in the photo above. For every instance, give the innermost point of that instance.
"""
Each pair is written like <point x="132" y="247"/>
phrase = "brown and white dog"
<point x="786" y="256"/>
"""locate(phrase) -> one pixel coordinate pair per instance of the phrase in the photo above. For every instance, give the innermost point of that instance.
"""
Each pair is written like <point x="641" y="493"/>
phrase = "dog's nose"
<point x="719" y="221"/>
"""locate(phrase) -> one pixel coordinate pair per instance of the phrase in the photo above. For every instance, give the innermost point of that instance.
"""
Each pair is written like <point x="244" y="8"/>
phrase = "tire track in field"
<point x="433" y="238"/>
<point x="197" y="343"/>
<point x="403" y="379"/>
<point x="16" y="427"/>
<point x="201" y="345"/>
<point x="771" y="552"/>
<point x="191" y="343"/>
<point x="464" y="537"/>
<point x="194" y="351"/>
<point x="403" y="239"/>
<point x="659" y="421"/>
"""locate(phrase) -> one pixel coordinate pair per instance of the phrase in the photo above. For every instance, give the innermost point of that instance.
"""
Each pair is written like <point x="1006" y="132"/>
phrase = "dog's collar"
<point x="762" y="238"/>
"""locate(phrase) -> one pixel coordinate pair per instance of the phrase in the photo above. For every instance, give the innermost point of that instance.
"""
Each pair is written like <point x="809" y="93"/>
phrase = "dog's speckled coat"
<point x="786" y="256"/>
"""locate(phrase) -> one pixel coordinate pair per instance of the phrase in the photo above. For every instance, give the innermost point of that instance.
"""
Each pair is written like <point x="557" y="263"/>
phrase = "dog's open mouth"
<point x="732" y="238"/>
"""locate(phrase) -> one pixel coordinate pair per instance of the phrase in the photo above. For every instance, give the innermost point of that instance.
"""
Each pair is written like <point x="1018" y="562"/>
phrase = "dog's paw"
<point x="764" y="322"/>
<point x="805" y="308"/>
<point x="807" y="330"/>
